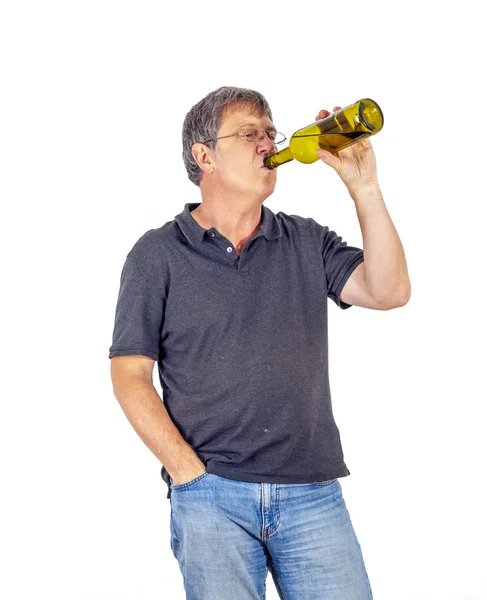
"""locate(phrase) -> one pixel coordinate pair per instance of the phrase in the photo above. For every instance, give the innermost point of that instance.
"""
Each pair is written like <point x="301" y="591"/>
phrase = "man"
<point x="231" y="300"/>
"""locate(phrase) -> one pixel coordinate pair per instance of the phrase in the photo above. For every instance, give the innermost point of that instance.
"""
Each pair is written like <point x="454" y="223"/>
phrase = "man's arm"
<point x="355" y="291"/>
<point x="382" y="280"/>
<point x="145" y="410"/>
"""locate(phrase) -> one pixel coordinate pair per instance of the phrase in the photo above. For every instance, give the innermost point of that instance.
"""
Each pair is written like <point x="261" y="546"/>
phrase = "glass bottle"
<point x="333" y="133"/>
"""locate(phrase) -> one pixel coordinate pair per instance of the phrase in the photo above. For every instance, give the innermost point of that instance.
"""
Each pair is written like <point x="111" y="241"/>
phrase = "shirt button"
<point x="229" y="249"/>
<point x="212" y="233"/>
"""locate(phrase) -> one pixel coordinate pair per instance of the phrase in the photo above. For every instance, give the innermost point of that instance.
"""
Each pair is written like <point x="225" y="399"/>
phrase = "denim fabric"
<point x="226" y="535"/>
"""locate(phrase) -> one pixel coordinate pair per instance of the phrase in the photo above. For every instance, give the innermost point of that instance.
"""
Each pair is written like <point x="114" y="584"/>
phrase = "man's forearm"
<point x="385" y="263"/>
<point x="147" y="414"/>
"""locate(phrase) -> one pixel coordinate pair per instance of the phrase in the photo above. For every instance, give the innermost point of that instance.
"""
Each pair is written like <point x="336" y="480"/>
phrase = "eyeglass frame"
<point x="239" y="134"/>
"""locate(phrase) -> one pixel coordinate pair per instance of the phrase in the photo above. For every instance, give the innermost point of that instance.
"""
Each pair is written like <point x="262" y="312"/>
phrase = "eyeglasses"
<point x="255" y="135"/>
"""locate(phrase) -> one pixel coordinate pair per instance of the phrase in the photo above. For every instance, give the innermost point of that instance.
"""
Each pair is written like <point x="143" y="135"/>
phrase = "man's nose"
<point x="265" y="143"/>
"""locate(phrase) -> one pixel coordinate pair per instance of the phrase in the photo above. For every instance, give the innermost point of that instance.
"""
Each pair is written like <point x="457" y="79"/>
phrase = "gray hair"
<point x="204" y="119"/>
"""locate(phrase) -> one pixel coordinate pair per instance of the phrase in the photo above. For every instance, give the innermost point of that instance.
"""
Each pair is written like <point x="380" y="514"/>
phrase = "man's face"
<point x="238" y="163"/>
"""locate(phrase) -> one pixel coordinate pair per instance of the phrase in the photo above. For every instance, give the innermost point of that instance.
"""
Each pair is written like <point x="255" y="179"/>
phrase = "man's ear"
<point x="201" y="155"/>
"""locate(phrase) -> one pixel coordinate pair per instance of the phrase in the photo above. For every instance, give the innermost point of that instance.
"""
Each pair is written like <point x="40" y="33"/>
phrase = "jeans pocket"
<point x="188" y="483"/>
<point x="328" y="482"/>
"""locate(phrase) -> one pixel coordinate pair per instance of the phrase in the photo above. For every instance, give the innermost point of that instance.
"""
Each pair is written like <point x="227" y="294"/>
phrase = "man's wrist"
<point x="364" y="190"/>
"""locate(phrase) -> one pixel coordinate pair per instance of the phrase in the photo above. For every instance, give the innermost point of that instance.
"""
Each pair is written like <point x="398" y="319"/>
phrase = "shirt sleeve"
<point x="339" y="261"/>
<point x="139" y="314"/>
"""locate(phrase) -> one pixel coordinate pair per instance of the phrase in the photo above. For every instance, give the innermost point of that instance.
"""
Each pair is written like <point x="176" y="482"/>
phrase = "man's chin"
<point x="268" y="192"/>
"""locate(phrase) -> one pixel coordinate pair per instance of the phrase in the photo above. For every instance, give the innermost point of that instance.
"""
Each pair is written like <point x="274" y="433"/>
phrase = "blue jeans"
<point x="227" y="534"/>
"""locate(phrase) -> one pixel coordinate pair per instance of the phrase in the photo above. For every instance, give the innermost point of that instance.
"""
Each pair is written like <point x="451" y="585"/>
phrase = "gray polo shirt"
<point x="241" y="342"/>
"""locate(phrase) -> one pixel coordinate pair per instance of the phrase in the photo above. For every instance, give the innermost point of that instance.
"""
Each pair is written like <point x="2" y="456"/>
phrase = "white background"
<point x="93" y="97"/>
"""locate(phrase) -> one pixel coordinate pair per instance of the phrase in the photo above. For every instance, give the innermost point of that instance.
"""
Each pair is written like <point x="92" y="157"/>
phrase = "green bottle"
<point x="333" y="133"/>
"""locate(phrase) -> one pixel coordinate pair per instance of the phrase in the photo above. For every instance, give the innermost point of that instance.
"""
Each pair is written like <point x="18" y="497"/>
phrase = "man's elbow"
<point x="400" y="298"/>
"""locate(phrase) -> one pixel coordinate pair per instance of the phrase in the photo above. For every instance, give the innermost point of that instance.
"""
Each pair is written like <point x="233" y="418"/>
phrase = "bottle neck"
<point x="274" y="160"/>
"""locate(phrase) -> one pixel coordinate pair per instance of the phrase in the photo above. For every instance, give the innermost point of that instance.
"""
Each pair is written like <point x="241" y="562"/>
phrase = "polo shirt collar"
<point x="270" y="227"/>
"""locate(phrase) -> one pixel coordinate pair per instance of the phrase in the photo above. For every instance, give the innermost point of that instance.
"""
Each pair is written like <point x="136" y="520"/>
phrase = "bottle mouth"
<point x="370" y="114"/>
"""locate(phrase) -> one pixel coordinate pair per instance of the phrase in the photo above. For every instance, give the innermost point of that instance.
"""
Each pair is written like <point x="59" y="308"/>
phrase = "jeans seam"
<point x="173" y="527"/>
<point x="280" y="589"/>
<point x="278" y="515"/>
<point x="188" y="483"/>
<point x="323" y="483"/>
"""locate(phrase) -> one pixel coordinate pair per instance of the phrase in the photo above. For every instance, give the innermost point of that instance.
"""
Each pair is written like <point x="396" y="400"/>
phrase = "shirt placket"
<point x="239" y="263"/>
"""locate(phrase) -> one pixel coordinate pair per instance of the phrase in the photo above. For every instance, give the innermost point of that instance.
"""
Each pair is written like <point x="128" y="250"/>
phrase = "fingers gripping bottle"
<point x="333" y="133"/>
